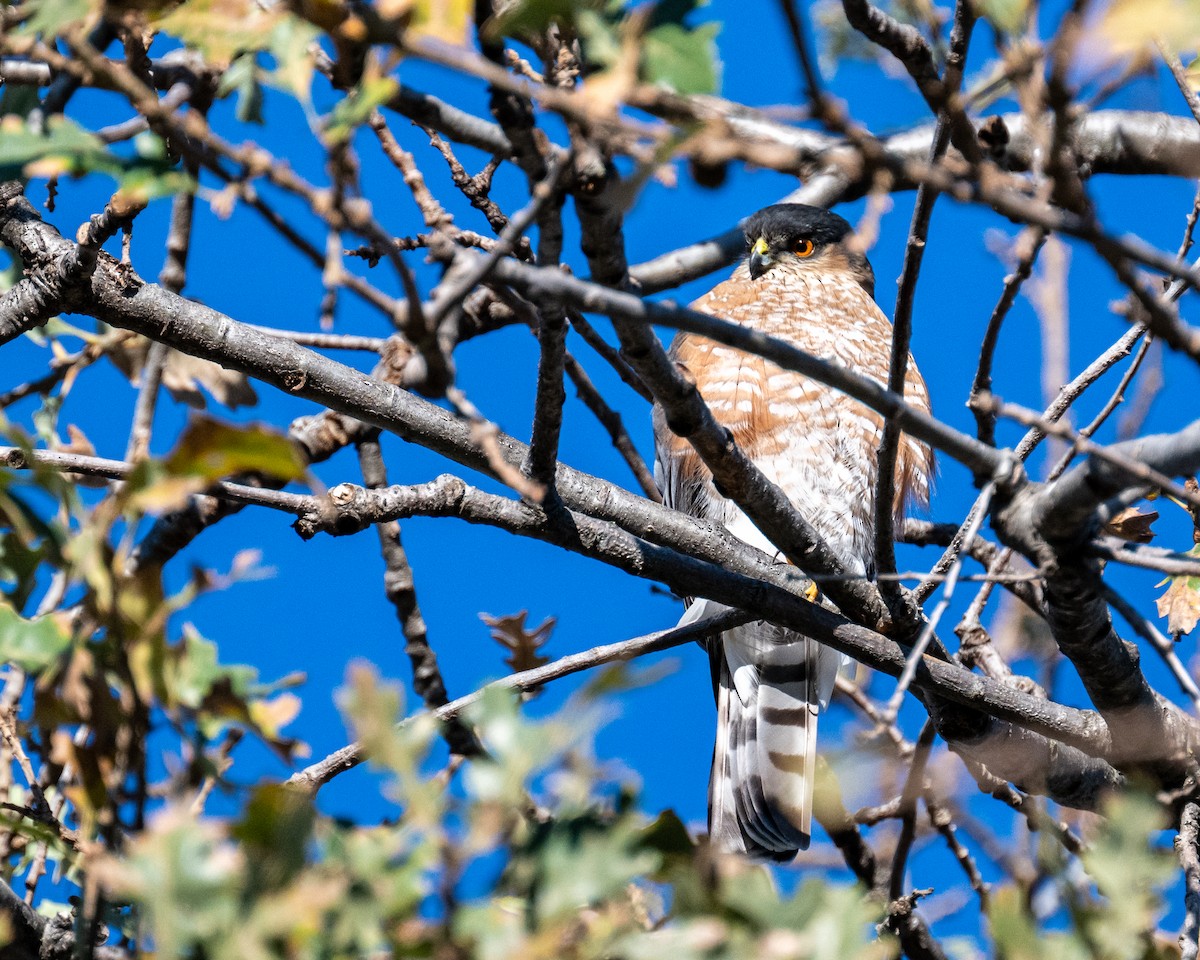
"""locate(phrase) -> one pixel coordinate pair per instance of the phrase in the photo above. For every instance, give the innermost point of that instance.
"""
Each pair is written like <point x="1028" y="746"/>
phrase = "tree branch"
<point x="315" y="776"/>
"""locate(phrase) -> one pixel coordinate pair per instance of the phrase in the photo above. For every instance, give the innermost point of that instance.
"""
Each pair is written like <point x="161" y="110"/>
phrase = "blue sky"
<point x="325" y="605"/>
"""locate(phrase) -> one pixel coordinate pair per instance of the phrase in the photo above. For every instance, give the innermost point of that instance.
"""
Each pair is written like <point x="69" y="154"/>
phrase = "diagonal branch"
<point x="315" y="776"/>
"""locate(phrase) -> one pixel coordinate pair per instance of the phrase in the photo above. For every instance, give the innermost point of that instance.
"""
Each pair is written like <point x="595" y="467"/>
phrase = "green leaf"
<point x="67" y="148"/>
<point x="221" y="29"/>
<point x="373" y="709"/>
<point x="516" y="748"/>
<point x="1007" y="16"/>
<point x="64" y="148"/>
<point x="534" y="16"/>
<point x="210" y="450"/>
<point x="51" y="17"/>
<point x="1130" y="872"/>
<point x="623" y="676"/>
<point x="674" y="11"/>
<point x="600" y="35"/>
<point x="668" y="835"/>
<point x="291" y="46"/>
<point x="274" y="830"/>
<point x="193" y="671"/>
<point x="33" y="644"/>
<point x="1012" y="928"/>
<point x="584" y="862"/>
<point x="496" y="929"/>
<point x="146" y="182"/>
<point x="242" y="78"/>
<point x="19" y="563"/>
<point x="18" y="100"/>
<point x="186" y="880"/>
<point x="352" y="111"/>
<point x="684" y="60"/>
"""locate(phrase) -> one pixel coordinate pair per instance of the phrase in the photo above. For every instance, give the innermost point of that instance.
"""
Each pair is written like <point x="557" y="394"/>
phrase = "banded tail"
<point x="769" y="696"/>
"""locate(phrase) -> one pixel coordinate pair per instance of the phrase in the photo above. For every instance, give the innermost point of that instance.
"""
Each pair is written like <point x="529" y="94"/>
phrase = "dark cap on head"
<point x="803" y="237"/>
<point x="789" y="221"/>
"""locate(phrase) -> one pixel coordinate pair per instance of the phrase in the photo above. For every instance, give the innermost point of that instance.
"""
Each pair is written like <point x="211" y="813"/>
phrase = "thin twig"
<point x="612" y="422"/>
<point x="914" y="786"/>
<point x="979" y="511"/>
<point x="1029" y="244"/>
<point x="1141" y="471"/>
<point x="1162" y="644"/>
<point x="313" y="777"/>
<point x="914" y="253"/>
<point x="1181" y="78"/>
<point x="541" y="460"/>
<point x="400" y="588"/>
<point x="456" y="286"/>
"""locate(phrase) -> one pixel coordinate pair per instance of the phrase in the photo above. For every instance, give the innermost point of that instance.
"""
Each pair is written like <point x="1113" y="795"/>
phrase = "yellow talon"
<point x="812" y="593"/>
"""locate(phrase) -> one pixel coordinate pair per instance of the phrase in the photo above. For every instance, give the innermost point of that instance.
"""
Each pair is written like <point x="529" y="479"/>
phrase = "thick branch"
<point x="1050" y="525"/>
<point x="1023" y="753"/>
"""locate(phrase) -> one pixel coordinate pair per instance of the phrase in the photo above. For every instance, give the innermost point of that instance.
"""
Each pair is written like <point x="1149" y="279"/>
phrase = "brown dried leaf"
<point x="1132" y="525"/>
<point x="182" y="374"/>
<point x="510" y="633"/>
<point x="1181" y="604"/>
<point x="80" y="444"/>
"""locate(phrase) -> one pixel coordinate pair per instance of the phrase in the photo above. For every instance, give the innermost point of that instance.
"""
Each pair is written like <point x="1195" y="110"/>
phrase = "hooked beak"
<point x="760" y="258"/>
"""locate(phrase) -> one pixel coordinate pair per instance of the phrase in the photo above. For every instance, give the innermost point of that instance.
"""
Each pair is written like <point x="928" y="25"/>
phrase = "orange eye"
<point x="802" y="248"/>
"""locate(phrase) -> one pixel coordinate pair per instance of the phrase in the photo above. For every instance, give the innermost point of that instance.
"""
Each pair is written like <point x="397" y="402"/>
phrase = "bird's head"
<point x="794" y="236"/>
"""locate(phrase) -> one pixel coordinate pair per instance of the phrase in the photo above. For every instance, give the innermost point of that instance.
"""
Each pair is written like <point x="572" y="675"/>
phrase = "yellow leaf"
<point x="210" y="449"/>
<point x="220" y="29"/>
<point x="270" y="716"/>
<point x="47" y="167"/>
<point x="1131" y="26"/>
<point x="445" y="20"/>
<point x="1192" y="72"/>
<point x="168" y="493"/>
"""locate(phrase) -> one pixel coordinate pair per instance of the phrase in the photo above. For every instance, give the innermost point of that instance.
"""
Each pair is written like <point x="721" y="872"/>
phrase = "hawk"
<point x="804" y="283"/>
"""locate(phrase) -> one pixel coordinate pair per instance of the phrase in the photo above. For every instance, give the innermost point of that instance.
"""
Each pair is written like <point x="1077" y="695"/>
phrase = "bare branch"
<point x="313" y="777"/>
<point x="1187" y="846"/>
<point x="401" y="591"/>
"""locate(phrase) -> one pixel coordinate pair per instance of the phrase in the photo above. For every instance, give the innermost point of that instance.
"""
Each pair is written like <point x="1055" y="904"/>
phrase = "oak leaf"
<point x="1181" y="603"/>
<point x="184" y="375"/>
<point x="80" y="444"/>
<point x="1132" y="525"/>
<point x="510" y="632"/>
